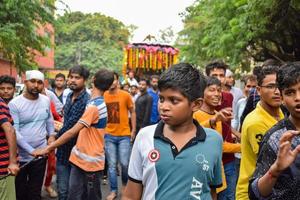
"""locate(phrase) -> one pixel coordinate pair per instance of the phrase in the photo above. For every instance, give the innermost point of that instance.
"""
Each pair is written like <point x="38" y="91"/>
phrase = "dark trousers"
<point x="63" y="171"/>
<point x="84" y="185"/>
<point x="30" y="179"/>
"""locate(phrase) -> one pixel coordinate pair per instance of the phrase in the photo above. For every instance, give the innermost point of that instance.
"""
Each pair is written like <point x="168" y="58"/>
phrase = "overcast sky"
<point x="148" y="16"/>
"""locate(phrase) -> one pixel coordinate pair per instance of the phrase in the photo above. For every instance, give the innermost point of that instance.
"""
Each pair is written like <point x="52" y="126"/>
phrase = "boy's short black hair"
<point x="60" y="75"/>
<point x="212" y="81"/>
<point x="81" y="70"/>
<point x="185" y="78"/>
<point x="8" y="79"/>
<point x="103" y="79"/>
<point x="154" y="77"/>
<point x="288" y="75"/>
<point x="267" y="70"/>
<point x="248" y="77"/>
<point x="271" y="61"/>
<point x="131" y="86"/>
<point x="256" y="70"/>
<point x="215" y="65"/>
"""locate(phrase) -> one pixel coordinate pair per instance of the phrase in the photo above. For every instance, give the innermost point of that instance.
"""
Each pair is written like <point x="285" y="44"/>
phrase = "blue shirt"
<point x="72" y="113"/>
<point x="154" y="111"/>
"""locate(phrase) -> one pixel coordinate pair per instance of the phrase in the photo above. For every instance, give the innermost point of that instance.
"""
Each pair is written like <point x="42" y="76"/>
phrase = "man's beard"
<point x="60" y="87"/>
<point x="143" y="91"/>
<point x="76" y="89"/>
<point x="155" y="87"/>
<point x="35" y="94"/>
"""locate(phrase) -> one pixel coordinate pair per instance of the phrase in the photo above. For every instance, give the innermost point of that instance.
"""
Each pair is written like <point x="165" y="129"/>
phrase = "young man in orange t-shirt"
<point x="118" y="133"/>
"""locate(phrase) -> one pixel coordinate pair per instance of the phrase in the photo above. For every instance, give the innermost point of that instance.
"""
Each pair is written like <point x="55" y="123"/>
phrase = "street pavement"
<point x="104" y="188"/>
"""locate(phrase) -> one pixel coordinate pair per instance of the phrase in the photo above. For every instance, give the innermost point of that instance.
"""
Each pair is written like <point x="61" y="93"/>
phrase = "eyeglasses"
<point x="270" y="86"/>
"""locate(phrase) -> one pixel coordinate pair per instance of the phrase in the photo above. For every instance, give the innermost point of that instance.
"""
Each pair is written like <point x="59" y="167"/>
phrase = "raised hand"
<point x="224" y="115"/>
<point x="286" y="156"/>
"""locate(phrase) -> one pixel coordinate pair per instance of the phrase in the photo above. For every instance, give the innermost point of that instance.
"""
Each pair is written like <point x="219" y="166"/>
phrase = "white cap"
<point x="34" y="74"/>
<point x="228" y="73"/>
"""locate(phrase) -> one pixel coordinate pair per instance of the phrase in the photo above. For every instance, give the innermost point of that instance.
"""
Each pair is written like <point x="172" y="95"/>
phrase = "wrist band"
<point x="272" y="175"/>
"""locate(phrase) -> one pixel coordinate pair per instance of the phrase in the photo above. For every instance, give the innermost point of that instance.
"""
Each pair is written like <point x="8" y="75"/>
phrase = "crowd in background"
<point x="85" y="136"/>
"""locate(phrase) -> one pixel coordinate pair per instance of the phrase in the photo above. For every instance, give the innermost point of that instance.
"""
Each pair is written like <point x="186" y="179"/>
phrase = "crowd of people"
<point x="180" y="135"/>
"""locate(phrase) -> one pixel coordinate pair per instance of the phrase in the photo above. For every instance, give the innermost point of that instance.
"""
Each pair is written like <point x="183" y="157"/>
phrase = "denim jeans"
<point x="237" y="168"/>
<point x="84" y="185"/>
<point x="230" y="173"/>
<point x="30" y="179"/>
<point x="62" y="179"/>
<point x="117" y="150"/>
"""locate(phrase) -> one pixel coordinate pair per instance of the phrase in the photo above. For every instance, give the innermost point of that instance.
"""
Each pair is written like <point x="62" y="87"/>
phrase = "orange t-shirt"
<point x="203" y="119"/>
<point x="118" y="105"/>
<point x="88" y="153"/>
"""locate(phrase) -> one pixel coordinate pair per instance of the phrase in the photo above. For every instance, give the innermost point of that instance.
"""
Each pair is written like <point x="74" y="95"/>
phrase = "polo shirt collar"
<point x="200" y="134"/>
<point x="265" y="113"/>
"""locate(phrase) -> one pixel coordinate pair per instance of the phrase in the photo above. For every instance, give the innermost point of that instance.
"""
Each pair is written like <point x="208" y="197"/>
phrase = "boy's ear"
<point x="196" y="105"/>
<point x="258" y="90"/>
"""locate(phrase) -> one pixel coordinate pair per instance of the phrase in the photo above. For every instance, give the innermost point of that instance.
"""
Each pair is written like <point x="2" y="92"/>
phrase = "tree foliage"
<point x="19" y="21"/>
<point x="166" y="36"/>
<point x="241" y="30"/>
<point x="94" y="40"/>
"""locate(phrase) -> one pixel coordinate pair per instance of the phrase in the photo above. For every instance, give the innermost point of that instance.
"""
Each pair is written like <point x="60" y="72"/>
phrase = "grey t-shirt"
<point x="33" y="121"/>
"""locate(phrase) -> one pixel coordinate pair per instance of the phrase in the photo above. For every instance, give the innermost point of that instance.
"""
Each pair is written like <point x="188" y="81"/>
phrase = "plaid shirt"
<point x="72" y="113"/>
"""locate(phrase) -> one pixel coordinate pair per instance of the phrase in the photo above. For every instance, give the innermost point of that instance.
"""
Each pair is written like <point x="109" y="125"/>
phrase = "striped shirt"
<point x="4" y="155"/>
<point x="88" y="153"/>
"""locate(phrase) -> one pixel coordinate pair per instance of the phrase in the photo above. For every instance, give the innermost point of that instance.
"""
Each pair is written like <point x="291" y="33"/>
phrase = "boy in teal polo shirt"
<point x="176" y="158"/>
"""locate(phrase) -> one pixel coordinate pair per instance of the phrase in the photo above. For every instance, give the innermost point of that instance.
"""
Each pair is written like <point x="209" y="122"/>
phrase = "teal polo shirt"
<point x="167" y="173"/>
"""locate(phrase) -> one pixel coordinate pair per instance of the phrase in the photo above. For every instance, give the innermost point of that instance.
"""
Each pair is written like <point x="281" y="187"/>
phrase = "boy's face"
<point x="249" y="85"/>
<point x="268" y="91"/>
<point x="174" y="108"/>
<point x="126" y="88"/>
<point x="229" y="80"/>
<point x="291" y="99"/>
<point x="219" y="73"/>
<point x="7" y="91"/>
<point x="133" y="90"/>
<point x="212" y="95"/>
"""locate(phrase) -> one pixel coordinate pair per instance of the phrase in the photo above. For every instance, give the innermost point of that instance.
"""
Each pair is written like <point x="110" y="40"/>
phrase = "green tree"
<point x="94" y="40"/>
<point x="166" y="36"/>
<point x="239" y="31"/>
<point x="19" y="22"/>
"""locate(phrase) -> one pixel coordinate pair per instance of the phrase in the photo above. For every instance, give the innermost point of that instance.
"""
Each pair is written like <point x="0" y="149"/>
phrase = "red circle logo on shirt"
<point x="153" y="155"/>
